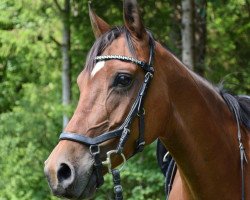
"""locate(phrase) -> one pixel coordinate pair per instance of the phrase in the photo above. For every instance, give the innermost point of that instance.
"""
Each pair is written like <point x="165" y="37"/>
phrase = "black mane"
<point x="239" y="106"/>
<point x="102" y="43"/>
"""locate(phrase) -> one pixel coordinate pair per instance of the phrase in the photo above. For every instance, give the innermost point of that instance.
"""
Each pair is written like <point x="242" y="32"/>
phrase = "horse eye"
<point x="122" y="80"/>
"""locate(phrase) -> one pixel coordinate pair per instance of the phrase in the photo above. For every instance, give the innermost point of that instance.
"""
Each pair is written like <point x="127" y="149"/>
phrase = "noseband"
<point x="123" y="131"/>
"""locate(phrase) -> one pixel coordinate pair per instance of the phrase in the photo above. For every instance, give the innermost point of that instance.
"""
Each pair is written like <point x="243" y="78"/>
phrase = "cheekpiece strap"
<point x="140" y="141"/>
<point x="145" y="66"/>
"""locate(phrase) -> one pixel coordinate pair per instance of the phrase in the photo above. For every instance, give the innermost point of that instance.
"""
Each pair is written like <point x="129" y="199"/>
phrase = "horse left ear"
<point x="99" y="26"/>
<point x="133" y="20"/>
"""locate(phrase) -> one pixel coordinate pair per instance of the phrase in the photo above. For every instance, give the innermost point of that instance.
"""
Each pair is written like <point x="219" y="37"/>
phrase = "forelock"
<point x="103" y="42"/>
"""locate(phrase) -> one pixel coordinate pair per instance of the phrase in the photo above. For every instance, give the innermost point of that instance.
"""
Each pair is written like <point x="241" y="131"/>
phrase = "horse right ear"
<point x="99" y="26"/>
<point x="133" y="20"/>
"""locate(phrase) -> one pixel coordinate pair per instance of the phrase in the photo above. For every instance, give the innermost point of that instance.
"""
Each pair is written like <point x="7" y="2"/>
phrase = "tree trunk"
<point x="188" y="33"/>
<point x="200" y="36"/>
<point x="66" y="59"/>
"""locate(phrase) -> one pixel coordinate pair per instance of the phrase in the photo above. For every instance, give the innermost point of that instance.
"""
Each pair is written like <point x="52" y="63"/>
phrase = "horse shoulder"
<point x="178" y="189"/>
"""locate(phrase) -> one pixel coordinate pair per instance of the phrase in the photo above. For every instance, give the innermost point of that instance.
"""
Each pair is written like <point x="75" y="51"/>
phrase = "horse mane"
<point x="239" y="106"/>
<point x="105" y="40"/>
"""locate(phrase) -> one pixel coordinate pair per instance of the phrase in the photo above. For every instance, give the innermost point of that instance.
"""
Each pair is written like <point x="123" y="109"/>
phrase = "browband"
<point x="145" y="66"/>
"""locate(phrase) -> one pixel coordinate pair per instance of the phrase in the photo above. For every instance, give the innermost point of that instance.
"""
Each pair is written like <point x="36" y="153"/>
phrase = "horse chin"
<point x="90" y="188"/>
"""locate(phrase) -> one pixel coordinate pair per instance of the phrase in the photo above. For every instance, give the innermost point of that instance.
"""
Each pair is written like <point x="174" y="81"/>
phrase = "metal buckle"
<point x="108" y="162"/>
<point x="141" y="146"/>
<point x="149" y="75"/>
<point x="94" y="149"/>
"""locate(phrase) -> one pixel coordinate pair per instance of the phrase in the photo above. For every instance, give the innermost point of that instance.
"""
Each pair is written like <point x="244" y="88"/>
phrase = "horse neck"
<point x="201" y="132"/>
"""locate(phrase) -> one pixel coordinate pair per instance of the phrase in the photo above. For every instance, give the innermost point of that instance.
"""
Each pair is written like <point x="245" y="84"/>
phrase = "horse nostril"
<point x="64" y="172"/>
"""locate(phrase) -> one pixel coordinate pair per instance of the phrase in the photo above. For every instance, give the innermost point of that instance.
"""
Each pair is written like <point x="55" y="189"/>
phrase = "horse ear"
<point x="99" y="26"/>
<point x="133" y="20"/>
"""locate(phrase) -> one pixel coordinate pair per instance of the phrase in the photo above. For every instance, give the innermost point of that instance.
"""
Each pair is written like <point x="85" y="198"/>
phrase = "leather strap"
<point x="145" y="66"/>
<point x="95" y="152"/>
<point x="140" y="141"/>
<point x="243" y="159"/>
<point x="117" y="184"/>
<point x="172" y="168"/>
<point x="136" y="110"/>
<point x="91" y="141"/>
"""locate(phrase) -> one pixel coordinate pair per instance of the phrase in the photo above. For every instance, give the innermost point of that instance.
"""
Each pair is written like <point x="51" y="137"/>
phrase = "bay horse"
<point x="201" y="127"/>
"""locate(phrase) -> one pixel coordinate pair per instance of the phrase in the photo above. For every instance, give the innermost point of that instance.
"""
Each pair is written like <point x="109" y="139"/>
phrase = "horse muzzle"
<point x="68" y="177"/>
<point x="64" y="183"/>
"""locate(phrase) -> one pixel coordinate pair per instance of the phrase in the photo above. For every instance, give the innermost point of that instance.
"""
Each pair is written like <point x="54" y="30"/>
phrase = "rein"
<point x="123" y="131"/>
<point x="234" y="107"/>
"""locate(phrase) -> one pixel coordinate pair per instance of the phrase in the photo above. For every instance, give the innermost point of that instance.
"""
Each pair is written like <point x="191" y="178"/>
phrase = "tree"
<point x="66" y="57"/>
<point x="228" y="46"/>
<point x="200" y="35"/>
<point x="191" y="16"/>
<point x="30" y="106"/>
<point x="188" y="33"/>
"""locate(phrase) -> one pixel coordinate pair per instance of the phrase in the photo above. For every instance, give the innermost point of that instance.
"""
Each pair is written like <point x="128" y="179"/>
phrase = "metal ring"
<point x="143" y="113"/>
<point x="93" y="150"/>
<point x="108" y="162"/>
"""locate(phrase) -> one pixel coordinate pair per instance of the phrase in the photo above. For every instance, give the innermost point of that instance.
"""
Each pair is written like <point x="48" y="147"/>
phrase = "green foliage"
<point x="228" y="45"/>
<point x="26" y="138"/>
<point x="29" y="101"/>
<point x="30" y="83"/>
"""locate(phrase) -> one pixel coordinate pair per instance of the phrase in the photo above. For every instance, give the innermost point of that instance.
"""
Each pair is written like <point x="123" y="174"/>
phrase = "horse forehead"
<point x="98" y="66"/>
<point x="118" y="46"/>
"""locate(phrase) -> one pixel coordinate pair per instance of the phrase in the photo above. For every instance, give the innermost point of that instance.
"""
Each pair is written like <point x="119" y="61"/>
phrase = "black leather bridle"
<point x="123" y="131"/>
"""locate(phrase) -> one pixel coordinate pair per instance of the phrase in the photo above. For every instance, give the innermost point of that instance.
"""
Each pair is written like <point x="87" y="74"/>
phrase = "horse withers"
<point x="133" y="91"/>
